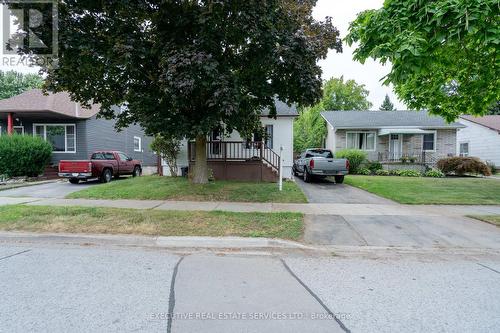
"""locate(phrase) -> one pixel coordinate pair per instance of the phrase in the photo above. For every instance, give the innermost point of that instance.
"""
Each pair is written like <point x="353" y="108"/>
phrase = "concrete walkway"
<point x="309" y="208"/>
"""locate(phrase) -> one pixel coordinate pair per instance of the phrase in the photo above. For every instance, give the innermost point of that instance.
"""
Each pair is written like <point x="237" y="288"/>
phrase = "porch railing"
<point x="237" y="151"/>
<point x="414" y="157"/>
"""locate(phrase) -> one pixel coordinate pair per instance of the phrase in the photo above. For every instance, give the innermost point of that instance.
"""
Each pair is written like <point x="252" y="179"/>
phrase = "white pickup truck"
<point x="319" y="163"/>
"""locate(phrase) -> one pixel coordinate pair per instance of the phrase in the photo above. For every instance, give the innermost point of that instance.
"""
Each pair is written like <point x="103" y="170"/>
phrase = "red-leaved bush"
<point x="463" y="165"/>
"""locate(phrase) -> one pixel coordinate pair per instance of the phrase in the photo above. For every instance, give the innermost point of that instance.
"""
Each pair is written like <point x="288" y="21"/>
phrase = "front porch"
<point x="407" y="146"/>
<point x="239" y="160"/>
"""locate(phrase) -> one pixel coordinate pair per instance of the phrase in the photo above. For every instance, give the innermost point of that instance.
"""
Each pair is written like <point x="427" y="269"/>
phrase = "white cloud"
<point x="337" y="64"/>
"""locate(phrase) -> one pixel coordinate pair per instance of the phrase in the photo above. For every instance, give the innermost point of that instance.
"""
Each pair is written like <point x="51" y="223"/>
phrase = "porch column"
<point x="10" y="123"/>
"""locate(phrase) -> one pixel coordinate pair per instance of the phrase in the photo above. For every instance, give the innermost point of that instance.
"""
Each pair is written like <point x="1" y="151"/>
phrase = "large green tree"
<point x="310" y="127"/>
<point x="13" y="83"/>
<point x="185" y="67"/>
<point x="444" y="54"/>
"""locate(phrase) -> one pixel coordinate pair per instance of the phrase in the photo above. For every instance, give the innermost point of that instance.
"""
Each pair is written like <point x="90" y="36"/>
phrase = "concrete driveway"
<point x="325" y="191"/>
<point x="69" y="288"/>
<point x="58" y="189"/>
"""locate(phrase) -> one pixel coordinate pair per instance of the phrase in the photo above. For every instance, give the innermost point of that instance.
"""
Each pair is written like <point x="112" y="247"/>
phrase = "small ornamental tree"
<point x="186" y="67"/>
<point x="168" y="149"/>
<point x="444" y="54"/>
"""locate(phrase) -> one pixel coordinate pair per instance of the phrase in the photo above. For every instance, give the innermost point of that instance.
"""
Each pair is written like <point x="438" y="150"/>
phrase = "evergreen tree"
<point x="387" y="104"/>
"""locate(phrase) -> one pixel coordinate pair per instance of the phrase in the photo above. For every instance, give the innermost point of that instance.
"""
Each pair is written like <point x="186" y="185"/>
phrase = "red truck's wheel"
<point x="137" y="172"/>
<point x="106" y="176"/>
<point x="74" y="180"/>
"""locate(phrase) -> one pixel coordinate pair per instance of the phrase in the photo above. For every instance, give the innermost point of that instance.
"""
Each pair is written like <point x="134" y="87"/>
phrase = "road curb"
<point x="161" y="242"/>
<point x="237" y="244"/>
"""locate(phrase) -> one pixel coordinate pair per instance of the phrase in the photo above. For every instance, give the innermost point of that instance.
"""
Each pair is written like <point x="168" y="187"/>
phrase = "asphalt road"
<point x="325" y="191"/>
<point x="104" y="289"/>
<point x="58" y="189"/>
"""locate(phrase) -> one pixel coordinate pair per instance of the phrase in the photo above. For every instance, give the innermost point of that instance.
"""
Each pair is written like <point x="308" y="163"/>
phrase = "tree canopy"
<point x="387" y="104"/>
<point x="345" y="95"/>
<point x="444" y="54"/>
<point x="310" y="127"/>
<point x="186" y="67"/>
<point x="13" y="83"/>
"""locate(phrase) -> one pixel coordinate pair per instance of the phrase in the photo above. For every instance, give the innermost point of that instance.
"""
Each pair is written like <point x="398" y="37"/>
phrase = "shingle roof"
<point x="283" y="110"/>
<point x="377" y="119"/>
<point x="35" y="101"/>
<point x="492" y="122"/>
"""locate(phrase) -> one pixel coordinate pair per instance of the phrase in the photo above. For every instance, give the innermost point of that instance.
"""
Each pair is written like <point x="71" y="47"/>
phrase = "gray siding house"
<point x="392" y="136"/>
<point x="74" y="132"/>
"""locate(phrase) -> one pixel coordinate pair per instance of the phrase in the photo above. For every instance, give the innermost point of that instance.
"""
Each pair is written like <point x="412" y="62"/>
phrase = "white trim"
<point x="140" y="144"/>
<point x="400" y="139"/>
<point x="435" y="142"/>
<point x="459" y="147"/>
<point x="21" y="127"/>
<point x="362" y="131"/>
<point x="65" y="135"/>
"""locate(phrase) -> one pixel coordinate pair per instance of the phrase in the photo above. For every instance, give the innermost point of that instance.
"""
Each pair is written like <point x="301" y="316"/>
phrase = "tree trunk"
<point x="200" y="174"/>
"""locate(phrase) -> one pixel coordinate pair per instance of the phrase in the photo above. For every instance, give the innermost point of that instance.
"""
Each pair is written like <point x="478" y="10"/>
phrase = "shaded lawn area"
<point x="492" y="219"/>
<point x="420" y="190"/>
<point x="178" y="188"/>
<point x="150" y="222"/>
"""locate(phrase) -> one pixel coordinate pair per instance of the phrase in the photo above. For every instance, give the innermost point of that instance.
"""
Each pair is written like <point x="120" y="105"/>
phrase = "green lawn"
<point x="168" y="188"/>
<point x="419" y="190"/>
<point x="150" y="222"/>
<point x="492" y="219"/>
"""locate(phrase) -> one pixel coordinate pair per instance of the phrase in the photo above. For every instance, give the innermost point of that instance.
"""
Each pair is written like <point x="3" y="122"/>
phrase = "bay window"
<point x="62" y="137"/>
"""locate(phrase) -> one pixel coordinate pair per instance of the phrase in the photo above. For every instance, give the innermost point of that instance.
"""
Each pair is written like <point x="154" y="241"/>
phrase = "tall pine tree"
<point x="387" y="104"/>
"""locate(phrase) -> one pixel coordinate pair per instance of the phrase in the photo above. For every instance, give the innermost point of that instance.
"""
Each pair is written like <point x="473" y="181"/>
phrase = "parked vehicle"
<point x="103" y="165"/>
<point x="320" y="163"/>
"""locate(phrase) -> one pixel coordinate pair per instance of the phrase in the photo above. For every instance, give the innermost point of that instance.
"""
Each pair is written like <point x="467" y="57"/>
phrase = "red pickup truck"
<point x="103" y="165"/>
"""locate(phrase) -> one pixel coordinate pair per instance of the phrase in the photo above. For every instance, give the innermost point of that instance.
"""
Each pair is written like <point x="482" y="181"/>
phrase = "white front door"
<point x="395" y="146"/>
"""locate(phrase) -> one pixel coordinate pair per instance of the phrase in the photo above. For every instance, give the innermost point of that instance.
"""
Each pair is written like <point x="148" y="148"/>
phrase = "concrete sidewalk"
<point x="342" y="209"/>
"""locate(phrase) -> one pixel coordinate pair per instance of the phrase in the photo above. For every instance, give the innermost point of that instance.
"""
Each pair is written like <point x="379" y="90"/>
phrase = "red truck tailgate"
<point x="75" y="166"/>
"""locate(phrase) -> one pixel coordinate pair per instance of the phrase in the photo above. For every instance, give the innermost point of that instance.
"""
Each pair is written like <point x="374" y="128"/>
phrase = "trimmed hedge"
<point x="463" y="165"/>
<point x="23" y="155"/>
<point x="354" y="156"/>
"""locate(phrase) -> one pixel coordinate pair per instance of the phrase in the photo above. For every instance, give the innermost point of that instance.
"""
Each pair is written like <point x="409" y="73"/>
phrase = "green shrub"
<point x="434" y="173"/>
<point x="408" y="173"/>
<point x="355" y="158"/>
<point x="374" y="166"/>
<point x="364" y="171"/>
<point x="382" y="172"/>
<point x="22" y="155"/>
<point x="394" y="172"/>
<point x="463" y="165"/>
<point x="492" y="166"/>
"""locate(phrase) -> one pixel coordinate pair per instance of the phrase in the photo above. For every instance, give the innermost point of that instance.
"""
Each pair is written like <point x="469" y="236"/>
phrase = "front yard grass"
<point x="178" y="188"/>
<point x="492" y="219"/>
<point x="150" y="222"/>
<point x="420" y="190"/>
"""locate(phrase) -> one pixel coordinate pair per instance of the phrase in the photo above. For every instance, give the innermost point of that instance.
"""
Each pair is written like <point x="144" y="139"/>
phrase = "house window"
<point x="137" y="143"/>
<point x="215" y="147"/>
<point x="62" y="137"/>
<point x="269" y="136"/>
<point x="19" y="130"/>
<point x="464" y="149"/>
<point x="429" y="142"/>
<point x="361" y="140"/>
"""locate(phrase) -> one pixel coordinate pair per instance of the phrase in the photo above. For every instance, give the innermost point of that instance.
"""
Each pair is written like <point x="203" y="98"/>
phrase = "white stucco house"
<point x="233" y="157"/>
<point x="480" y="138"/>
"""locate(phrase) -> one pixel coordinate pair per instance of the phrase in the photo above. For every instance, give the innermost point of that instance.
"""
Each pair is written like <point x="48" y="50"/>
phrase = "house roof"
<point x="491" y="122"/>
<point x="35" y="101"/>
<point x="386" y="119"/>
<point x="283" y="110"/>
